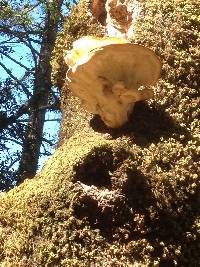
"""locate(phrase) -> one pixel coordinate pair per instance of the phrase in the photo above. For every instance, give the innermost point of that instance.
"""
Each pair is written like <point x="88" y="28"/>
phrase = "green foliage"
<point x="13" y="15"/>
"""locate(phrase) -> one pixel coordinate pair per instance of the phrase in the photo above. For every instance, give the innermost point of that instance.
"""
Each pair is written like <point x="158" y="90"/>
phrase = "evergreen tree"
<point x="27" y="93"/>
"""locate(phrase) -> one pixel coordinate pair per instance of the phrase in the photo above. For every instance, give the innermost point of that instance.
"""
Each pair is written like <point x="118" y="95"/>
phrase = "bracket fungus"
<point x="109" y="75"/>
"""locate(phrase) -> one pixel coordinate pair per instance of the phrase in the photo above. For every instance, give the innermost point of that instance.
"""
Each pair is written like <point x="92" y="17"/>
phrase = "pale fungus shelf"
<point x="110" y="75"/>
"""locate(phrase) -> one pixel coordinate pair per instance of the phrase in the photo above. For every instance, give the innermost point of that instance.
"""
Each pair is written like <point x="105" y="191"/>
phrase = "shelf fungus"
<point x="109" y="75"/>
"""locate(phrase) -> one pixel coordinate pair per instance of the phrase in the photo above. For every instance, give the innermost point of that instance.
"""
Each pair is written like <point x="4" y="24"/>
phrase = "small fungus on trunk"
<point x="109" y="75"/>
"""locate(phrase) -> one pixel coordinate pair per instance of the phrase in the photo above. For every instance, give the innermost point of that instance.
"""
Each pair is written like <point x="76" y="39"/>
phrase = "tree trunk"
<point x="125" y="197"/>
<point x="42" y="86"/>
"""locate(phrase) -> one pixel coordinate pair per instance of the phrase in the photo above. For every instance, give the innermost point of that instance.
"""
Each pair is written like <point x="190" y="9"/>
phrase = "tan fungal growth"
<point x="109" y="75"/>
<point x="118" y="16"/>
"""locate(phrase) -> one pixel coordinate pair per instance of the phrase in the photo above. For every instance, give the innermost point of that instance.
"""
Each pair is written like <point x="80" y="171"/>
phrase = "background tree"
<point x="28" y="31"/>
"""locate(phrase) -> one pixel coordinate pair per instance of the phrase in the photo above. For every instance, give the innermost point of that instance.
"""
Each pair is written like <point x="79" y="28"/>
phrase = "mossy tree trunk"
<point x="126" y="197"/>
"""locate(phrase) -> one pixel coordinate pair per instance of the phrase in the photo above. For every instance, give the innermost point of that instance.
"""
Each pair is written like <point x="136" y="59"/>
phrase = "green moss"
<point x="39" y="225"/>
<point x="173" y="32"/>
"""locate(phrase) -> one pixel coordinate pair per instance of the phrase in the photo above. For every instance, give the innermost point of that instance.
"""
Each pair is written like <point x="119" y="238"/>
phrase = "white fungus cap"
<point x="107" y="74"/>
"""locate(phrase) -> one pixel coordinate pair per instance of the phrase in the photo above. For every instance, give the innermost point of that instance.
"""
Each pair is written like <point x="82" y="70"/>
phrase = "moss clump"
<point x="39" y="221"/>
<point x="171" y="29"/>
<point x="106" y="201"/>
